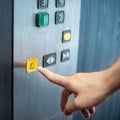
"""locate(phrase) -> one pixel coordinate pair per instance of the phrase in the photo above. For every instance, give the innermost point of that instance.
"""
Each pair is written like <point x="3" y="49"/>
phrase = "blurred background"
<point x="99" y="48"/>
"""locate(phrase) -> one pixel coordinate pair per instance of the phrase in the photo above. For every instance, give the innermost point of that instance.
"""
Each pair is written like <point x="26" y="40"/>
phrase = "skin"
<point x="90" y="89"/>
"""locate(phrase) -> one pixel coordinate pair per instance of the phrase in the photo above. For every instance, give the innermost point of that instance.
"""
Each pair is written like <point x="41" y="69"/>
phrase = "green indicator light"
<point x="42" y="19"/>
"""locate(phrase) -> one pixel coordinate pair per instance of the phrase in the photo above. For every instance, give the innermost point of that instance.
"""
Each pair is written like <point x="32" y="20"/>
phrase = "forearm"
<point x="113" y="74"/>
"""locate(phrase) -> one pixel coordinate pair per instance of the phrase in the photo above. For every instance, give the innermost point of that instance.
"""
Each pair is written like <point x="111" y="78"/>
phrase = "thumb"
<point x="70" y="108"/>
<point x="53" y="77"/>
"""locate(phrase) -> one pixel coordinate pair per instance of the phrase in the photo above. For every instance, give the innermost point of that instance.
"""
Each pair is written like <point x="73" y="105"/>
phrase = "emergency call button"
<point x="31" y="65"/>
<point x="42" y="19"/>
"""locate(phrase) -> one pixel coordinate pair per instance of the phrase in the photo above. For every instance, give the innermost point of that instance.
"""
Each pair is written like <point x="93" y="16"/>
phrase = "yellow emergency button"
<point x="66" y="36"/>
<point x="31" y="65"/>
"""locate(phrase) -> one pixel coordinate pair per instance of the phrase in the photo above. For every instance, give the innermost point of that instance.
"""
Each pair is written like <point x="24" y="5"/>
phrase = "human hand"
<point x="89" y="89"/>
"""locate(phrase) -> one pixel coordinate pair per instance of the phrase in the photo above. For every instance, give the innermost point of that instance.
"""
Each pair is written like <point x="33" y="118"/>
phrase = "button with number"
<point x="60" y="3"/>
<point x="59" y="17"/>
<point x="42" y="4"/>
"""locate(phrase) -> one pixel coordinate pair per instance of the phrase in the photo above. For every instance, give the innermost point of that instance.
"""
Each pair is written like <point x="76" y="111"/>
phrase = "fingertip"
<point x="92" y="110"/>
<point x="86" y="113"/>
<point x="39" y="68"/>
<point x="53" y="77"/>
<point x="66" y="113"/>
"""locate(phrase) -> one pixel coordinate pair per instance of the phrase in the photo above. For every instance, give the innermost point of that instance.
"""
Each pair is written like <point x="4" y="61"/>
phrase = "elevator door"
<point x="47" y="32"/>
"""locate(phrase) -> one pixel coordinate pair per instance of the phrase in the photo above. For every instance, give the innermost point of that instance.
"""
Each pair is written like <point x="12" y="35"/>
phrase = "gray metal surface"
<point x="34" y="97"/>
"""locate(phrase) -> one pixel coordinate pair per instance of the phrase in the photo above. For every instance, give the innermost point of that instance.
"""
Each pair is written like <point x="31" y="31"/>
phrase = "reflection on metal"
<point x="19" y="64"/>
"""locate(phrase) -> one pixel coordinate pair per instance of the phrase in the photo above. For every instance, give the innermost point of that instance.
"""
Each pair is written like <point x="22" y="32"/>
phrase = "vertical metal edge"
<point x="78" y="39"/>
<point x="12" y="59"/>
<point x="6" y="56"/>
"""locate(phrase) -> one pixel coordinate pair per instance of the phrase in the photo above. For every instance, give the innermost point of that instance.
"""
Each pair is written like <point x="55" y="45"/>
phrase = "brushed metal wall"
<point x="34" y="97"/>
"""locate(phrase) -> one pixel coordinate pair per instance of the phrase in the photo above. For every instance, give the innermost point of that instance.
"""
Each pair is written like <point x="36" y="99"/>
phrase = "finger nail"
<point x="39" y="67"/>
<point x="92" y="110"/>
<point x="66" y="113"/>
<point x="87" y="114"/>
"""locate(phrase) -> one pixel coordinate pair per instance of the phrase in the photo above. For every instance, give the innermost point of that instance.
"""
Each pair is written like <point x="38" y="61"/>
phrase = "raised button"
<point x="65" y="55"/>
<point x="60" y="3"/>
<point x="42" y="4"/>
<point x="66" y="36"/>
<point x="42" y="19"/>
<point x="31" y="65"/>
<point x="49" y="59"/>
<point x="59" y="17"/>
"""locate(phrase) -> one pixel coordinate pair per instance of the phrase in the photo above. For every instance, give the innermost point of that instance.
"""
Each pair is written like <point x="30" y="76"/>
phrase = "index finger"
<point x="53" y="77"/>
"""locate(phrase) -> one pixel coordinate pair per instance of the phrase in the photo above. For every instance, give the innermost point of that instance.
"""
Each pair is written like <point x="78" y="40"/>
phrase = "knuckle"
<point x="68" y="82"/>
<point x="77" y="103"/>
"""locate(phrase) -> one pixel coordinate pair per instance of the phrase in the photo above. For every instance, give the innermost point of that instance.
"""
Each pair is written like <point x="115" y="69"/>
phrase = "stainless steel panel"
<point x="34" y="97"/>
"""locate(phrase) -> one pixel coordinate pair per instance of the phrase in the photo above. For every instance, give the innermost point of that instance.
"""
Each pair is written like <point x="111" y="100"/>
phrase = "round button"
<point x="67" y="36"/>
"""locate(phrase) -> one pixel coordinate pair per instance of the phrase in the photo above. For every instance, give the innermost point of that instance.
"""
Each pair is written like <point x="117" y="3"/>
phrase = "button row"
<point x="50" y="59"/>
<point x="43" y="4"/>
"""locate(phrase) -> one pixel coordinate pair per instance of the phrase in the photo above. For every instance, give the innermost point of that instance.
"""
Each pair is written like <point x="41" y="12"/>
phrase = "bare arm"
<point x="113" y="74"/>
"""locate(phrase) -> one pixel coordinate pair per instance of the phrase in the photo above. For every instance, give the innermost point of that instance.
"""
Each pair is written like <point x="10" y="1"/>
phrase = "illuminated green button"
<point x="42" y="19"/>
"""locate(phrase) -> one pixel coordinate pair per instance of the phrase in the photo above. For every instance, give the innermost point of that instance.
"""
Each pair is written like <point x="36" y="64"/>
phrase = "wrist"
<point x="113" y="77"/>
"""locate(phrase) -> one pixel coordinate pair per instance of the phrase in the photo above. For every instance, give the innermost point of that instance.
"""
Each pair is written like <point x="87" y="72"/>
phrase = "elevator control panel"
<point x="42" y="19"/>
<point x="46" y="33"/>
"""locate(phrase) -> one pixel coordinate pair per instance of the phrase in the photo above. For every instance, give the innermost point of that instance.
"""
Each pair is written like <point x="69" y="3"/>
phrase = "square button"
<point x="65" y="55"/>
<point x="31" y="65"/>
<point x="60" y="3"/>
<point x="49" y="59"/>
<point x="59" y="17"/>
<point x="42" y="4"/>
<point x="66" y="36"/>
<point x="42" y="19"/>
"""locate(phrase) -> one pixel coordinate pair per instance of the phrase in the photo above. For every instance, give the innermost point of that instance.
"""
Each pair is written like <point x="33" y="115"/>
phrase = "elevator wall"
<point x="99" y="48"/>
<point x="6" y="81"/>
